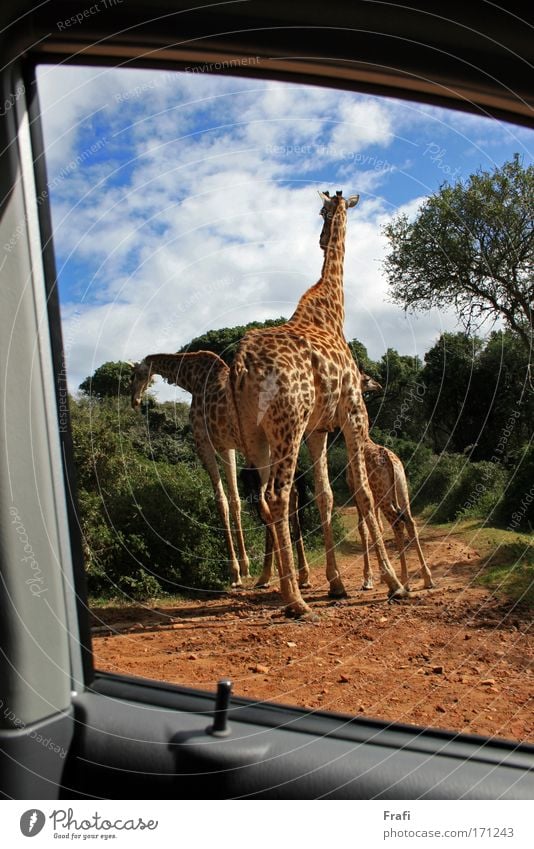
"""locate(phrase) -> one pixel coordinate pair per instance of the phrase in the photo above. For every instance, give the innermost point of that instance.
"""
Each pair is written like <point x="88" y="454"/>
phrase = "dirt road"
<point x="453" y="657"/>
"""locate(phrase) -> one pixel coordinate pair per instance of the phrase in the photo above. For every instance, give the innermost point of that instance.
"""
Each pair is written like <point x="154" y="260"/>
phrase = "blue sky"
<point x="186" y="202"/>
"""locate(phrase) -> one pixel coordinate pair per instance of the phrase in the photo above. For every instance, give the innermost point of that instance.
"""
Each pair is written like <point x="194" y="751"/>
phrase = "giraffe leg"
<point x="316" y="443"/>
<point x="364" y="536"/>
<point x="398" y="530"/>
<point x="276" y="465"/>
<point x="296" y="536"/>
<point x="379" y="519"/>
<point x="266" y="574"/>
<point x="380" y="523"/>
<point x="394" y="518"/>
<point x="364" y="499"/>
<point x="209" y="461"/>
<point x="413" y="537"/>
<point x="228" y="461"/>
<point x="276" y="503"/>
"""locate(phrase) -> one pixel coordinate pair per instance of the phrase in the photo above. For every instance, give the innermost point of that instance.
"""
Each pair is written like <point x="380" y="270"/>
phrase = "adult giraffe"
<point x="300" y="379"/>
<point x="205" y="375"/>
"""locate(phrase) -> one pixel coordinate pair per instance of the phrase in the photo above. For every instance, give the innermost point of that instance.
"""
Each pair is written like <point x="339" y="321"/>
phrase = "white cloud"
<point x="177" y="226"/>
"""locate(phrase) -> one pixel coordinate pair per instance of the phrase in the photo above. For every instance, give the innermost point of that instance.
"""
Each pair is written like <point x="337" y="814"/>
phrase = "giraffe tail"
<point x="395" y="490"/>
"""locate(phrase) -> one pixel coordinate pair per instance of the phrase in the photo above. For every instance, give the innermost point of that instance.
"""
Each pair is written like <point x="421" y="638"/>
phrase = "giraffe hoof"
<point x="261" y="585"/>
<point x="430" y="586"/>
<point x="367" y="585"/>
<point x="300" y="611"/>
<point x="338" y="593"/>
<point x="305" y="586"/>
<point x="397" y="595"/>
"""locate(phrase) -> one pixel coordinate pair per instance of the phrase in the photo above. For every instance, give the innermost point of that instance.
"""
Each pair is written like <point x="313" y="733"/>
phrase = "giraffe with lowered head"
<point x="205" y="376"/>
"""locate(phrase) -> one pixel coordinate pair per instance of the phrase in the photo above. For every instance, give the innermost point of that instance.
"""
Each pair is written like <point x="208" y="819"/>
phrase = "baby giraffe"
<point x="205" y="376"/>
<point x="387" y="480"/>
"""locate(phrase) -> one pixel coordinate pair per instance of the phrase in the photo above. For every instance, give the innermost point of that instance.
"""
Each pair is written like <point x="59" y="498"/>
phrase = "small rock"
<point x="291" y="644"/>
<point x="338" y="660"/>
<point x="260" y="668"/>
<point x="488" y="682"/>
<point x="438" y="670"/>
<point x="440" y="709"/>
<point x="176" y="626"/>
<point x="192" y="656"/>
<point x="344" y="679"/>
<point x="324" y="690"/>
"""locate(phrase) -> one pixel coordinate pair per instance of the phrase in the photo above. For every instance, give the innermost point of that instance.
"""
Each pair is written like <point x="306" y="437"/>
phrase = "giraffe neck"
<point x="189" y="371"/>
<point x="323" y="304"/>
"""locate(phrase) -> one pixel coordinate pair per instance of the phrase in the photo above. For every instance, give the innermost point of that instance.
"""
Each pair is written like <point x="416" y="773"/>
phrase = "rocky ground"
<point x="455" y="657"/>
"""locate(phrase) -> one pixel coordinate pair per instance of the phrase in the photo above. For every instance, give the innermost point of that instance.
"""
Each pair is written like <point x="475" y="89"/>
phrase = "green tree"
<point x="503" y="397"/>
<point x="471" y="246"/>
<point x="449" y="405"/>
<point x="225" y="340"/>
<point x="397" y="411"/>
<point x="108" y="381"/>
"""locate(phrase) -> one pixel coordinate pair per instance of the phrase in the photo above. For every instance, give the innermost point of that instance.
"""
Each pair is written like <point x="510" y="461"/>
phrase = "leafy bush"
<point x="480" y="489"/>
<point x="516" y="508"/>
<point x="448" y="485"/>
<point x="148" y="527"/>
<point x="454" y="487"/>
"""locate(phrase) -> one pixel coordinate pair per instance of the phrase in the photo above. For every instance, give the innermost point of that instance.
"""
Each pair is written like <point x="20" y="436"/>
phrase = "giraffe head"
<point x="331" y="206"/>
<point x="369" y="384"/>
<point x="141" y="379"/>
